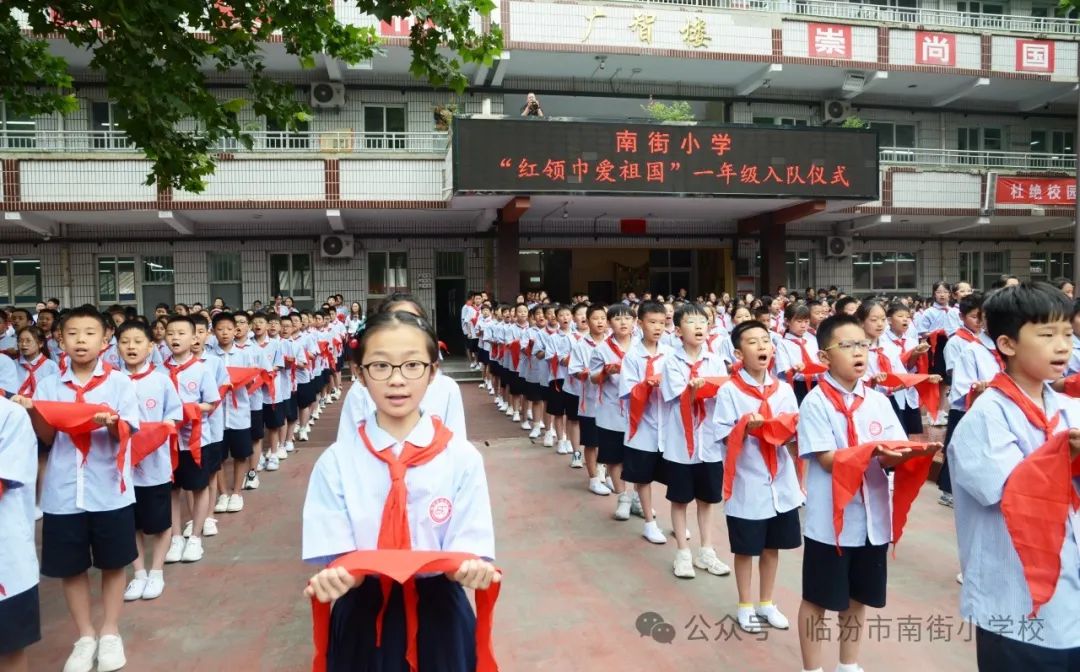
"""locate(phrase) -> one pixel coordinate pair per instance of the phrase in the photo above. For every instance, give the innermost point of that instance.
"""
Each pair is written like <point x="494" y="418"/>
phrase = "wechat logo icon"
<point x="651" y="624"/>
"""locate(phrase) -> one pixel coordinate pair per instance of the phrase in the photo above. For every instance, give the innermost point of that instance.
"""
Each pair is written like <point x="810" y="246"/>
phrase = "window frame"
<point x="112" y="137"/>
<point x="116" y="259"/>
<point x="978" y="276"/>
<point x="1052" y="260"/>
<point x="276" y="289"/>
<point x="7" y="264"/>
<point x="793" y="260"/>
<point x="294" y="135"/>
<point x="875" y="287"/>
<point x="389" y="272"/>
<point x="15" y="140"/>
<point x="382" y="139"/>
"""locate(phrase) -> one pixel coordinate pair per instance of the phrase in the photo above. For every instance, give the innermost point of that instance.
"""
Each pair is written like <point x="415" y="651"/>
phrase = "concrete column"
<point x="772" y="241"/>
<point x="507" y="267"/>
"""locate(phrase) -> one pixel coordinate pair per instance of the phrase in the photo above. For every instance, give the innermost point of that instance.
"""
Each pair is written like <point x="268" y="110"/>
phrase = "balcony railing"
<point x="328" y="142"/>
<point x="839" y="9"/>
<point x="961" y="159"/>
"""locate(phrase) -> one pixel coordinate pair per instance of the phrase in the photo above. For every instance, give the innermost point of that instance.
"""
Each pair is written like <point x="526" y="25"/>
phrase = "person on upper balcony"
<point x="532" y="108"/>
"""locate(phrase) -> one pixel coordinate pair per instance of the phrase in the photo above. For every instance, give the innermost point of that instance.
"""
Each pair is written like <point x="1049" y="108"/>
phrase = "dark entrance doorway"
<point x="449" y="299"/>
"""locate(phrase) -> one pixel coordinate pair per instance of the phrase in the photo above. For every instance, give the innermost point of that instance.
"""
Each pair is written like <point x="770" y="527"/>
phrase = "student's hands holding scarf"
<point x="888" y="457"/>
<point x="330" y="584"/>
<point x="476" y="574"/>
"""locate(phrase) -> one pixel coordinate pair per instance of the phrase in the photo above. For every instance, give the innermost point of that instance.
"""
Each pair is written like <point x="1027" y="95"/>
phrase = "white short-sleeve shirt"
<point x="650" y="434"/>
<point x="672" y="385"/>
<point x="18" y="473"/>
<point x="158" y="401"/>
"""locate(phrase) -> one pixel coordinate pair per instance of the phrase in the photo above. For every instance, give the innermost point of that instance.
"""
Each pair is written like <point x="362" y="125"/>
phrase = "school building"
<point x="967" y="170"/>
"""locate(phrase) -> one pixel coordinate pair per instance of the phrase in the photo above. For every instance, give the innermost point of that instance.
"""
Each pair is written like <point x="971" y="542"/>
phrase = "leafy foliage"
<point x="679" y="110"/>
<point x="156" y="56"/>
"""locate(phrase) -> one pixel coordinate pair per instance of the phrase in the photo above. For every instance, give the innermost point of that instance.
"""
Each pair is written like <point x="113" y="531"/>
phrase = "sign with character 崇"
<point x="556" y="156"/>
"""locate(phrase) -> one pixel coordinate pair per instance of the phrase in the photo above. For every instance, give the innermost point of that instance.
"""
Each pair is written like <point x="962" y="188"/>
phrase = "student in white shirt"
<point x="605" y="366"/>
<point x="535" y="371"/>
<point x="992" y="456"/>
<point x="797" y="349"/>
<point x="20" y="612"/>
<point x="580" y="368"/>
<point x="693" y="464"/>
<point x="446" y="497"/>
<point x="236" y="408"/>
<point x="905" y="340"/>
<point x="763" y="507"/>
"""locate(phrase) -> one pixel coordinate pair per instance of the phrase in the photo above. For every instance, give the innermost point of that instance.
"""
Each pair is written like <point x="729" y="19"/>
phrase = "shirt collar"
<point x="421" y="435"/>
<point x="859" y="391"/>
<point x="68" y="375"/>
<point x="749" y="380"/>
<point x="985" y="339"/>
<point x="680" y="352"/>
<point x="142" y="369"/>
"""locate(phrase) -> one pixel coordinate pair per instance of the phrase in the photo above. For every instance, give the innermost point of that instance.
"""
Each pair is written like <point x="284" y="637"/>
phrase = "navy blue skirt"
<point x="446" y="629"/>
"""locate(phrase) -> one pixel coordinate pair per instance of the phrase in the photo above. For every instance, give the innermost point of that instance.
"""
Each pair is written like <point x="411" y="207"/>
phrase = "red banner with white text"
<point x="1035" y="191"/>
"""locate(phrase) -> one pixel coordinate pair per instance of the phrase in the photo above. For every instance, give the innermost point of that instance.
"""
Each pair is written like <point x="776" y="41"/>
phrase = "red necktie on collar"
<point x="965" y="335"/>
<point x="192" y="414"/>
<point x="692" y="411"/>
<point x="176" y="369"/>
<point x="774" y="432"/>
<point x="29" y="386"/>
<point x="139" y="376"/>
<point x="640" y="393"/>
<point x="1037" y="498"/>
<point x="394" y="528"/>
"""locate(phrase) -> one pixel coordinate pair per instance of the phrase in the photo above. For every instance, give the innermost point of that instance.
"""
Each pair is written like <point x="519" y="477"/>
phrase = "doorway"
<point x="449" y="299"/>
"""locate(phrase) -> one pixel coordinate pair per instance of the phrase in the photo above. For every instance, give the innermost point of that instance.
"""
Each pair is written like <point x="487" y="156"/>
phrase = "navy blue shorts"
<point x="612" y="448"/>
<point x="517" y="385"/>
<point x="274" y="415"/>
<point x="236" y="444"/>
<point x="751" y="537"/>
<point x="703" y="481"/>
<point x="534" y="392"/>
<point x="73" y="543"/>
<point x="997" y="653"/>
<point x="189" y="475"/>
<point x="554" y="403"/>
<point x="589" y="437"/>
<point x="21" y="616"/>
<point x="483" y="355"/>
<point x="211" y="457"/>
<point x="570" y="405"/>
<point x="258" y="429"/>
<point x="292" y="409"/>
<point x="445" y="637"/>
<point x="305" y="394"/>
<point x="831" y="580"/>
<point x="153" y="508"/>
<point x="910" y="418"/>
<point x="642" y="466"/>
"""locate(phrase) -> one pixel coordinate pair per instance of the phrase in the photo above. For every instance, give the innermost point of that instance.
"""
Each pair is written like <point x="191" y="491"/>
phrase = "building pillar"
<point x="772" y="241"/>
<point x="507" y="265"/>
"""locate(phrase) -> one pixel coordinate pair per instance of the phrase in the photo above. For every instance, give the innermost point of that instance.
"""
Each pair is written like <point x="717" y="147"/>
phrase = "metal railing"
<point x="961" y="159"/>
<point x="838" y="9"/>
<point x="328" y="142"/>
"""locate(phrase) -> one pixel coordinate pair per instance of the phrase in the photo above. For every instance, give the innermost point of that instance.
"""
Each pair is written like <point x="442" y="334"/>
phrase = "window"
<point x="116" y="280"/>
<point x="20" y="282"/>
<point x="290" y="275"/>
<point x="990" y="13"/>
<point x="799" y="269"/>
<point x="894" y="135"/>
<point x="779" y="121"/>
<point x="449" y="264"/>
<point x="157" y="282"/>
<point x="225" y="279"/>
<point x="388" y="272"/>
<point x="292" y="136"/>
<point x="1058" y="143"/>
<point x="16" y="131"/>
<point x="670" y="271"/>
<point x="983" y="269"/>
<point x="1049" y="266"/>
<point x="384" y="127"/>
<point x="883" y="271"/>
<point x="986" y="140"/>
<point x="105" y="122"/>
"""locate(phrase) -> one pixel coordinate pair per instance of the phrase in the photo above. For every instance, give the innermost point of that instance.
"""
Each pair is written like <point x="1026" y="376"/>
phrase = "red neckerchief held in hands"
<point x="239" y="378"/>
<point x="810" y="367"/>
<point x="176" y="369"/>
<point x="29" y="386"/>
<point x="774" y="432"/>
<point x="971" y="395"/>
<point x="324" y="350"/>
<point x="692" y="404"/>
<point x="394" y="530"/>
<point x="929" y="393"/>
<point x="401" y="566"/>
<point x="515" y="352"/>
<point x="619" y="354"/>
<point x="640" y="393"/>
<point x="149" y="438"/>
<point x="1037" y="498"/>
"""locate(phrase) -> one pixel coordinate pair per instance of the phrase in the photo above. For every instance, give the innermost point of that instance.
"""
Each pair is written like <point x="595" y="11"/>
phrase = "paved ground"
<point x="576" y="582"/>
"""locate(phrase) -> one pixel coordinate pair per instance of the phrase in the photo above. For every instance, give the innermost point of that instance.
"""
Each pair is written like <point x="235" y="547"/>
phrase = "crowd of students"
<point x="781" y="405"/>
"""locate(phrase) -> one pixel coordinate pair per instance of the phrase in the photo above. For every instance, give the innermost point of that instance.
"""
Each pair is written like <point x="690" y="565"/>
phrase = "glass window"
<point x="388" y="272"/>
<point x="1049" y="266"/>
<point x="884" y="271"/>
<point x="105" y="122"/>
<point x="384" y="127"/>
<point x="894" y="135"/>
<point x="20" y="282"/>
<point x="224" y="266"/>
<point x="116" y="280"/>
<point x="291" y="275"/>
<point x="16" y="131"/>
<point x="798" y="269"/>
<point x="293" y="136"/>
<point x="158" y="270"/>
<point x="658" y="258"/>
<point x="982" y="270"/>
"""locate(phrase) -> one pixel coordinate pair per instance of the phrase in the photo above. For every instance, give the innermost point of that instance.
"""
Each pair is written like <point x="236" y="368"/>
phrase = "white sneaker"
<point x="272" y="463"/>
<point x="772" y="616"/>
<point x="683" y="567"/>
<point x="564" y="448"/>
<point x="209" y="528"/>
<point x="528" y="413"/>
<point x="290" y="447"/>
<point x="262" y="463"/>
<point x="281" y="453"/>
<point x="858" y="669"/>
<point x="635" y="506"/>
<point x="535" y="433"/>
<point x="236" y="503"/>
<point x="155" y="585"/>
<point x="526" y="425"/>
<point x="541" y="423"/>
<point x="176" y="550"/>
<point x="510" y="413"/>
<point x="482" y="385"/>
<point x="136" y="587"/>
<point x="653" y="534"/>
<point x="622" y="509"/>
<point x="193" y="550"/>
<point x="597" y="487"/>
<point x="609" y="483"/>
<point x="295" y="430"/>
<point x="748" y="620"/>
<point x="516" y="418"/>
<point x="317" y="414"/>
<point x="303" y="435"/>
<point x="706" y="559"/>
<point x="82" y="655"/>
<point x="188" y="527"/>
<point x="222" y="504"/>
<point x="577" y="461"/>
<point x="549" y="439"/>
<point x="110" y="654"/>
<point x="251" y="481"/>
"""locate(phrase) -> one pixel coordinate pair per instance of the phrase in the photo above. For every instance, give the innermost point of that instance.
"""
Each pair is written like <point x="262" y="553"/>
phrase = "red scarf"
<point x="324" y="350"/>
<point x="964" y="334"/>
<point x="583" y="375"/>
<point x="971" y="395"/>
<point x="640" y="393"/>
<point x="240" y="377"/>
<point x="29" y="386"/>
<point x="152" y="434"/>
<point x="692" y="405"/>
<point x="929" y="393"/>
<point x="851" y="462"/>
<point x="1037" y="498"/>
<point x="192" y="411"/>
<point x="394" y="528"/>
<point x="774" y="432"/>
<point x="810" y="367"/>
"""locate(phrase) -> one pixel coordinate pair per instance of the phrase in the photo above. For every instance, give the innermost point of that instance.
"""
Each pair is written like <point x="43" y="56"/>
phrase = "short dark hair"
<point x="844" y="303"/>
<point x="619" y="310"/>
<point x="199" y="321"/>
<point x="173" y="319"/>
<point x="1007" y="310"/>
<point x="863" y="311"/>
<point x="689" y="309"/>
<point x="797" y="311"/>
<point x="137" y="326"/>
<point x="258" y="315"/>
<point x="830" y="324"/>
<point x="742" y="328"/>
<point x="897" y="307"/>
<point x="85" y="310"/>
<point x="224" y="317"/>
<point x="162" y="305"/>
<point x="971" y="302"/>
<point x="650" y="307"/>
<point x="386" y="320"/>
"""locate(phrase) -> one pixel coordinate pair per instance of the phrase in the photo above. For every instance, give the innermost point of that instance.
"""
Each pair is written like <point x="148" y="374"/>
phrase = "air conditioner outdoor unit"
<point x="837" y="246"/>
<point x="336" y="247"/>
<point x="327" y="94"/>
<point x="835" y="111"/>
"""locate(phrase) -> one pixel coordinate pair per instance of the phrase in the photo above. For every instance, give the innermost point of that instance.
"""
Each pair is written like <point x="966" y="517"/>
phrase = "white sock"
<point x="157" y="574"/>
<point x="847" y="667"/>
<point x="140" y="574"/>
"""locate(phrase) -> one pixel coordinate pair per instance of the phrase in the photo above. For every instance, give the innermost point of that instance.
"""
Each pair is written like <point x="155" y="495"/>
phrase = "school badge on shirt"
<point x="440" y="510"/>
<point x="876" y="428"/>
